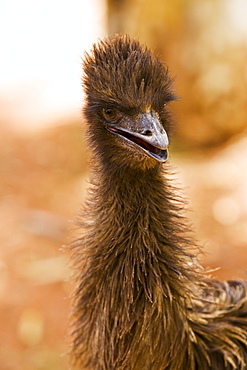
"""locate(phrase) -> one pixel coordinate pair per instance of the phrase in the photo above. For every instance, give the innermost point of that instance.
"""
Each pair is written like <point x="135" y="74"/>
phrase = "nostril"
<point x="147" y="133"/>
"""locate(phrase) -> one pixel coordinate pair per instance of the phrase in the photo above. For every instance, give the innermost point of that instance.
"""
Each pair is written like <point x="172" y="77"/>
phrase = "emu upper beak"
<point x="150" y="127"/>
<point x="148" y="134"/>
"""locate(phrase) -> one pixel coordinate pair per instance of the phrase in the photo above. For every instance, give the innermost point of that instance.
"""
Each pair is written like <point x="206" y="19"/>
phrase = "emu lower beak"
<point x="148" y="134"/>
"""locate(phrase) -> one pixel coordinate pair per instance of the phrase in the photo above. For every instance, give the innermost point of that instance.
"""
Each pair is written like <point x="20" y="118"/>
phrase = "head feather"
<point x="120" y="70"/>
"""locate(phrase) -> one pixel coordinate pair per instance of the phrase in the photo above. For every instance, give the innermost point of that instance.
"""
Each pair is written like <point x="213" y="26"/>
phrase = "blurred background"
<point x="44" y="163"/>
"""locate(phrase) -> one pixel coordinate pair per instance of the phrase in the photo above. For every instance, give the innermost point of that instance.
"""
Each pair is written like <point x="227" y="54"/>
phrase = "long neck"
<point x="137" y="213"/>
<point x="133" y="282"/>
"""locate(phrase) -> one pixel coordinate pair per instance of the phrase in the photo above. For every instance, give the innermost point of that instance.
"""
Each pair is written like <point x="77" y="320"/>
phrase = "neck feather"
<point x="135" y="269"/>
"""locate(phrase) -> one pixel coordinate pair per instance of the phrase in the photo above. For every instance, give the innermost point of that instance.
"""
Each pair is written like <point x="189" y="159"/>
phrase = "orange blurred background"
<point x="44" y="162"/>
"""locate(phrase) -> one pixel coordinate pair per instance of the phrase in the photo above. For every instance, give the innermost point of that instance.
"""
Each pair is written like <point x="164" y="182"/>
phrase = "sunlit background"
<point x="44" y="162"/>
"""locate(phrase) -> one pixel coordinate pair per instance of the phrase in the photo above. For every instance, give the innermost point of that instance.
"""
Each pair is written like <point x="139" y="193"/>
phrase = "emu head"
<point x="127" y="90"/>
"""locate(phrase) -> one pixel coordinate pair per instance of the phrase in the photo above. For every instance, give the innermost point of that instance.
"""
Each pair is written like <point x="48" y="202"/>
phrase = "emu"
<point x="142" y="299"/>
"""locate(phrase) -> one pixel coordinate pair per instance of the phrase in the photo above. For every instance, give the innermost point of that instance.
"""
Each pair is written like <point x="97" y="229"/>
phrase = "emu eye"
<point x="109" y="113"/>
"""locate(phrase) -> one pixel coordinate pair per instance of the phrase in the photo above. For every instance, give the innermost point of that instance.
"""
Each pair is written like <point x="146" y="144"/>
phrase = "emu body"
<point x="142" y="300"/>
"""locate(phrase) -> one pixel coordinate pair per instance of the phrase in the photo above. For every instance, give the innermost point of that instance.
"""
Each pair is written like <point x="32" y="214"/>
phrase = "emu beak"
<point x="150" y="127"/>
<point x="148" y="134"/>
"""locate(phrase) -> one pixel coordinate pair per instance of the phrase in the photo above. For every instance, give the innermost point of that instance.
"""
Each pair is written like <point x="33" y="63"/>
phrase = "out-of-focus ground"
<point x="42" y="178"/>
<point x="43" y="181"/>
<point x="215" y="182"/>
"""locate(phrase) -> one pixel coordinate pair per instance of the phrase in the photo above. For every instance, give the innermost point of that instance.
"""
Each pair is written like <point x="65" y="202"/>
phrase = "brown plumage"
<point x="142" y="300"/>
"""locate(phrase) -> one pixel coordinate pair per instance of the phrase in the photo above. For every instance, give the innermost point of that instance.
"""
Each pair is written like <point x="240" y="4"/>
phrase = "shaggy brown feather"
<point x="142" y="300"/>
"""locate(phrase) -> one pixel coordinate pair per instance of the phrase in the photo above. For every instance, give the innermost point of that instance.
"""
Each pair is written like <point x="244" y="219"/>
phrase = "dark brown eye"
<point x="109" y="113"/>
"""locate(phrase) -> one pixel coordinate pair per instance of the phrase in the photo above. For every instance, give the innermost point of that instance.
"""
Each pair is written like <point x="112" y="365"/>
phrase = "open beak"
<point x="148" y="134"/>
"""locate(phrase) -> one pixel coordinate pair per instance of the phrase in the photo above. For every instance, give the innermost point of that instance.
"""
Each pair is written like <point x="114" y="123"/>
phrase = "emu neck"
<point x="132" y="197"/>
<point x="137" y="216"/>
<point x="133" y="189"/>
<point x="136" y="280"/>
